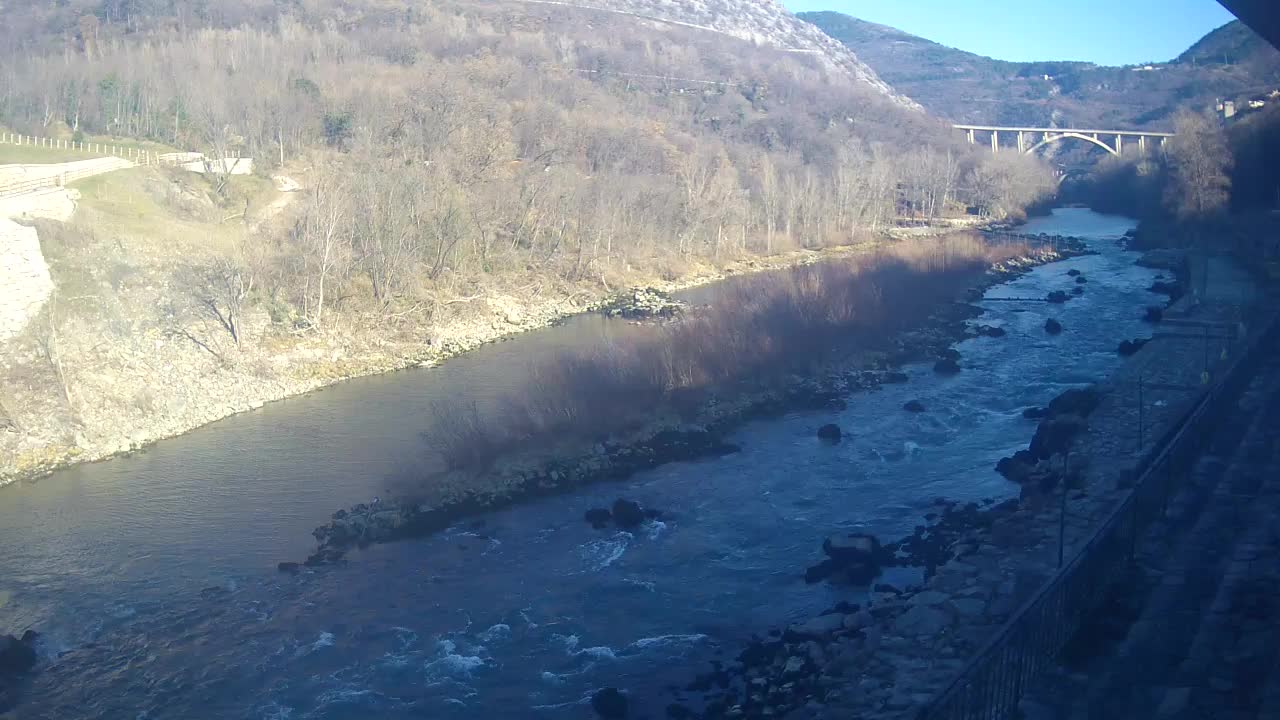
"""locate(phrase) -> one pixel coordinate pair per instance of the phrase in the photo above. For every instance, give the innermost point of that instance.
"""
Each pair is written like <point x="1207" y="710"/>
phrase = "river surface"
<point x="152" y="577"/>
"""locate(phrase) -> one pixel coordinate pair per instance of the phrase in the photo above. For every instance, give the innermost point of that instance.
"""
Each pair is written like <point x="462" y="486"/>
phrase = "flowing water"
<point x="152" y="577"/>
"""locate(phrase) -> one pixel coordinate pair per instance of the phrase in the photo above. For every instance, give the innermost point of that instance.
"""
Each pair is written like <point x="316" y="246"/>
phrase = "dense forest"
<point x="448" y="141"/>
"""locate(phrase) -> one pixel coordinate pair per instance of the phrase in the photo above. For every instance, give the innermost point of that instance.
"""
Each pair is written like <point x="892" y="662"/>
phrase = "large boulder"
<point x="609" y="704"/>
<point x="628" y="514"/>
<point x="1055" y="435"/>
<point x="1058" y="297"/>
<point x="857" y="557"/>
<point x="830" y="433"/>
<point x="1076" y="401"/>
<point x="1019" y="468"/>
<point x="922" y="620"/>
<point x="1053" y="327"/>
<point x="599" y="518"/>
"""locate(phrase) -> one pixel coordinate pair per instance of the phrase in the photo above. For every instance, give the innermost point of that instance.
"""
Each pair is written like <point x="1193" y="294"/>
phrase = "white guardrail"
<point x="133" y="155"/>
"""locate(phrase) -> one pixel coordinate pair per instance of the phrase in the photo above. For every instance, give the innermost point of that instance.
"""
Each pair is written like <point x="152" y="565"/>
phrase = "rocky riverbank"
<point x="95" y="398"/>
<point x="666" y="439"/>
<point x="887" y="657"/>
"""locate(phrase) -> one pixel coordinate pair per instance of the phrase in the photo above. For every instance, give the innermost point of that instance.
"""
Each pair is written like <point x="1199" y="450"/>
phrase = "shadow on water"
<point x="154" y="573"/>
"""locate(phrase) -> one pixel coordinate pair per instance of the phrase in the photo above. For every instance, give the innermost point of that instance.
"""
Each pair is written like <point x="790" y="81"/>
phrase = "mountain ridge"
<point x="1231" y="62"/>
<point x="764" y="22"/>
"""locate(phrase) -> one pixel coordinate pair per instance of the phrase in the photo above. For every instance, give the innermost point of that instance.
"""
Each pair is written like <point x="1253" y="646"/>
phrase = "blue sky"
<point x="1107" y="32"/>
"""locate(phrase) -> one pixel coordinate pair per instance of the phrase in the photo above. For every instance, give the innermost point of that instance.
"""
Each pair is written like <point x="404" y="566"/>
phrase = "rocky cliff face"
<point x="763" y="22"/>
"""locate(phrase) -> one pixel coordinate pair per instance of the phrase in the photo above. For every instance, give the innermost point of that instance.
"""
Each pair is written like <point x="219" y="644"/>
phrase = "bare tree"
<point x="322" y="236"/>
<point x="221" y="292"/>
<point x="1199" y="162"/>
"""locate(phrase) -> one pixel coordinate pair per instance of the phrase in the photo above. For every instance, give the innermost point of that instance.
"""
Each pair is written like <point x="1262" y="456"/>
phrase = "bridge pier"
<point x="1142" y="144"/>
<point x="1022" y="145"/>
<point x="1119" y="144"/>
<point x="995" y="141"/>
<point x="971" y="141"/>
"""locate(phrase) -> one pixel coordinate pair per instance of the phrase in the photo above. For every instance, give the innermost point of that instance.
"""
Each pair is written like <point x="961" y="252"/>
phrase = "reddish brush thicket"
<point x="756" y="329"/>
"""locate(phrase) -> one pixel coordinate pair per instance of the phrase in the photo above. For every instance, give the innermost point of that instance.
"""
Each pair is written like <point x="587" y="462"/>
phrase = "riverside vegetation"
<point x="468" y="170"/>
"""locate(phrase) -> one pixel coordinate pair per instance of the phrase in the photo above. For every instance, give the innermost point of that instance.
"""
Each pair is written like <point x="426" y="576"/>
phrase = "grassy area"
<point x="169" y="214"/>
<point x="32" y="155"/>
<point x="36" y="154"/>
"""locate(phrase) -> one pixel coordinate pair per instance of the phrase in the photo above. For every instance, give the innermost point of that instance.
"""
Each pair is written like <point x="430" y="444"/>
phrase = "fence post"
<point x="1062" y="510"/>
<point x="1141" y="411"/>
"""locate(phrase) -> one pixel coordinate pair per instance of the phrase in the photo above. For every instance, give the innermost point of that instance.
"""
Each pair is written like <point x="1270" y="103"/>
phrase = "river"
<point x="152" y="579"/>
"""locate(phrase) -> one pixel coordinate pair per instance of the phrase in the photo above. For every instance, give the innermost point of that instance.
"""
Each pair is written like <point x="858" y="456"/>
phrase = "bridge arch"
<point x="1078" y="136"/>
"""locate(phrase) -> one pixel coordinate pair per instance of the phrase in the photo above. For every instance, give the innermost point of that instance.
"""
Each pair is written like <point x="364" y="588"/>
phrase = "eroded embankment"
<point x="112" y="393"/>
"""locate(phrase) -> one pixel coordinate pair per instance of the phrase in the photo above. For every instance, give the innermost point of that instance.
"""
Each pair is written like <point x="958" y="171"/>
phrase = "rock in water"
<point x="1073" y="272"/>
<point x="642" y="303"/>
<point x="627" y="514"/>
<point x="946" y="366"/>
<point x="821" y="571"/>
<point x="1058" y="297"/>
<point x="1082" y="280"/>
<point x="16" y="656"/>
<point x="598" y="517"/>
<point x="914" y="406"/>
<point x="858" y="556"/>
<point x="830" y="433"/>
<point x="1035" y="413"/>
<point x="1053" y="327"/>
<point x="289" y="567"/>
<point x="1154" y="314"/>
<point x="609" y="704"/>
<point x="1077" y="290"/>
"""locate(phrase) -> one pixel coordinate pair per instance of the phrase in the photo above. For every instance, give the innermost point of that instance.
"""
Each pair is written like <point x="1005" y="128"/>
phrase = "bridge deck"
<point x="1126" y="133"/>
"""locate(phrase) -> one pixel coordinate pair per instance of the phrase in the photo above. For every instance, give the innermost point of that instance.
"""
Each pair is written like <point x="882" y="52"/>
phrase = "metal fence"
<point x="992" y="682"/>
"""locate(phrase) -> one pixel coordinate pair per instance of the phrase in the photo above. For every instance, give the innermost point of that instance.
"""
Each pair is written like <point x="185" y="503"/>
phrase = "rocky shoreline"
<point x="667" y="441"/>
<point x="889" y="657"/>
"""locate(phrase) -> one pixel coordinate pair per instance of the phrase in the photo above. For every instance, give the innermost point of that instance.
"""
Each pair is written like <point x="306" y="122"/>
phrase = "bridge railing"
<point x="991" y="684"/>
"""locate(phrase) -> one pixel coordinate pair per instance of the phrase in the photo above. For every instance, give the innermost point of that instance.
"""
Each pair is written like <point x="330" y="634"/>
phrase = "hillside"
<point x="467" y="170"/>
<point x="1231" y="62"/>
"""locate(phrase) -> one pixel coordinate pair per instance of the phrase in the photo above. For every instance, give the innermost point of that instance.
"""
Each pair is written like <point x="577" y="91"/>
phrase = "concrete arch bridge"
<point x="1031" y="139"/>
